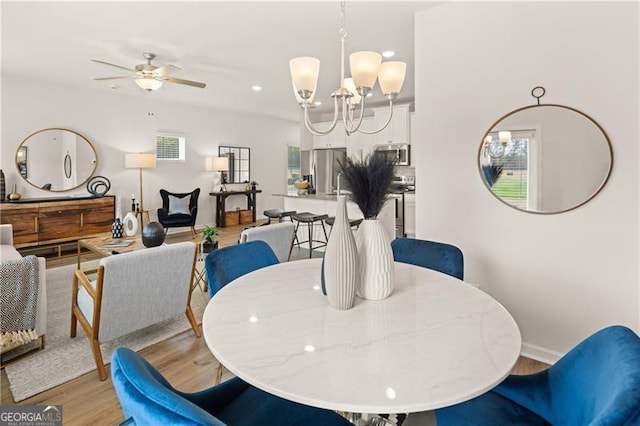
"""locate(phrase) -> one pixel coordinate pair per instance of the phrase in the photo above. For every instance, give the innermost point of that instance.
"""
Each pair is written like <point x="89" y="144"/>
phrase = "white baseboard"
<point x="540" y="354"/>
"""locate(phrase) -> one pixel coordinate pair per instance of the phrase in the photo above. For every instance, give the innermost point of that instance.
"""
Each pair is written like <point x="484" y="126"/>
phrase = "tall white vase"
<point x="130" y="224"/>
<point x="341" y="261"/>
<point x="375" y="259"/>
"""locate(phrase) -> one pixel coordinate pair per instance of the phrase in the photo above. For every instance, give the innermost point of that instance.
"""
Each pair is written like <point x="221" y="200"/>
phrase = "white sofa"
<point x="8" y="252"/>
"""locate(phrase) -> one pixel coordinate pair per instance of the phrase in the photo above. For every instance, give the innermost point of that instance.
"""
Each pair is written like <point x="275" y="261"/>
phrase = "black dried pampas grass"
<point x="369" y="180"/>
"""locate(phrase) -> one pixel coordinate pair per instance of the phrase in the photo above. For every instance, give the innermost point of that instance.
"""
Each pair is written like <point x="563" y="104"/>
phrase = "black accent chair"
<point x="176" y="212"/>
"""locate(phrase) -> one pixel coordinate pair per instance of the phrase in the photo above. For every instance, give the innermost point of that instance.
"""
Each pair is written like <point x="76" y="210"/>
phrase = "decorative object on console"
<point x="369" y="180"/>
<point x="366" y="67"/>
<point x="253" y="184"/>
<point x="140" y="161"/>
<point x="98" y="186"/>
<point x="14" y="196"/>
<point x="130" y="223"/>
<point x="117" y="229"/>
<point x="340" y="265"/>
<point x="3" y="187"/>
<point x="152" y="234"/>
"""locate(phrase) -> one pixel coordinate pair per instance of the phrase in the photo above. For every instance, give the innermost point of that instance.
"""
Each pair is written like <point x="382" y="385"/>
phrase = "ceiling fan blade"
<point x="113" y="65"/>
<point x="181" y="81"/>
<point x="114" y="78"/>
<point x="165" y="69"/>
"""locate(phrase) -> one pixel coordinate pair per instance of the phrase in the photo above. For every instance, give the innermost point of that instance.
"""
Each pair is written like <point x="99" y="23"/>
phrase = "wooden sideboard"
<point x="45" y="221"/>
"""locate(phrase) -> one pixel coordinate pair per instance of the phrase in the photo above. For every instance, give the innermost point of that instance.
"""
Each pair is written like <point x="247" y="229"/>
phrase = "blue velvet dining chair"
<point x="597" y="383"/>
<point x="226" y="264"/>
<point x="147" y="398"/>
<point x="440" y="257"/>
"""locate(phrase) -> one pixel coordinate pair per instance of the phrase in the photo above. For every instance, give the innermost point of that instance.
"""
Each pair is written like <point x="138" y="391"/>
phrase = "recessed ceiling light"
<point x="317" y="103"/>
<point x="370" y="94"/>
<point x="388" y="54"/>
<point x="256" y="88"/>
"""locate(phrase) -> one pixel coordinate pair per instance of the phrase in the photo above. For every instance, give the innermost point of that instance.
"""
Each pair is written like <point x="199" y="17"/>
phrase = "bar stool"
<point x="278" y="214"/>
<point x="352" y="222"/>
<point x="310" y="219"/>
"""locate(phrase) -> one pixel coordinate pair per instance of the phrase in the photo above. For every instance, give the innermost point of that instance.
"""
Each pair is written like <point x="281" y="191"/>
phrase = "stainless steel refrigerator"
<point x="322" y="166"/>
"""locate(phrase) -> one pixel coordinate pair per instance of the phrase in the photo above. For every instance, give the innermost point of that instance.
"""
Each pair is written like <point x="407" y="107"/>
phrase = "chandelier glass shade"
<point x="366" y="68"/>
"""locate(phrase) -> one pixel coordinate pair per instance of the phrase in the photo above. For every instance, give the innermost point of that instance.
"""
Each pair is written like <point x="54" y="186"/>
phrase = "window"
<point x="170" y="147"/>
<point x="293" y="167"/>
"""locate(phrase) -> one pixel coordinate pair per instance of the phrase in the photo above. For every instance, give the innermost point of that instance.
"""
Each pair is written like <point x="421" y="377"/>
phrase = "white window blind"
<point x="170" y="147"/>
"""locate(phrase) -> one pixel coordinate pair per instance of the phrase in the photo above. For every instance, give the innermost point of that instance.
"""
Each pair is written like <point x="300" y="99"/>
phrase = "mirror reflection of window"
<point x="554" y="159"/>
<point x="239" y="163"/>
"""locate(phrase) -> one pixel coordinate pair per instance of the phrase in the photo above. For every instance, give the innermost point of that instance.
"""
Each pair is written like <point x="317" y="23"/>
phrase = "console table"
<point x="221" y="198"/>
<point x="52" y="221"/>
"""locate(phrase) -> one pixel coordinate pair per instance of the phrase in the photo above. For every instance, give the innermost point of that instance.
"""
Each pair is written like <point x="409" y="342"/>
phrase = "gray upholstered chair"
<point x="12" y="262"/>
<point x="279" y="236"/>
<point x="132" y="291"/>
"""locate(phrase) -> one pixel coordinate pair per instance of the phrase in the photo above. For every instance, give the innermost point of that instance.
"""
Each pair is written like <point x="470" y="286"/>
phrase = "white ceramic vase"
<point x="375" y="259"/>
<point x="341" y="261"/>
<point x="130" y="224"/>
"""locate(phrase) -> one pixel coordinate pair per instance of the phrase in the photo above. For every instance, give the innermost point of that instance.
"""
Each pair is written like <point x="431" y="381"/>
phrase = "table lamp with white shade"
<point x="219" y="164"/>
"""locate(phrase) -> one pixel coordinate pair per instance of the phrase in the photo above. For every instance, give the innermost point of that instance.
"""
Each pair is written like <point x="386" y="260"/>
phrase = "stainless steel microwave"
<point x="398" y="151"/>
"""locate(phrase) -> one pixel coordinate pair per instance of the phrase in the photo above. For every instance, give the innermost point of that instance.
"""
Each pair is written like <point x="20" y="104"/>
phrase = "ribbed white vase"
<point x="341" y="261"/>
<point x="375" y="260"/>
<point x="130" y="224"/>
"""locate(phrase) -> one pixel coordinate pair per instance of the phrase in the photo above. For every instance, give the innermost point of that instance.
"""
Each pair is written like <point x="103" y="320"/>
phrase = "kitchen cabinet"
<point x="398" y="130"/>
<point x="359" y="145"/>
<point x="336" y="139"/>
<point x="39" y="222"/>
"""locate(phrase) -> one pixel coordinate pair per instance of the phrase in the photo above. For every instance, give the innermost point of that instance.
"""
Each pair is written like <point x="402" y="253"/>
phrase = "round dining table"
<point x="434" y="342"/>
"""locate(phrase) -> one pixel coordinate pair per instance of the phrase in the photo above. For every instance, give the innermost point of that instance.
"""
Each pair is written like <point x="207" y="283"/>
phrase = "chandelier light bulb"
<point x="299" y="100"/>
<point x="304" y="72"/>
<point x="364" y="68"/>
<point x="351" y="87"/>
<point x="391" y="77"/>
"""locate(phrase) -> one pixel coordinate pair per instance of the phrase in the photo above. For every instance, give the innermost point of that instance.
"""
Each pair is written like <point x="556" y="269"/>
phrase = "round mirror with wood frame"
<point x="56" y="159"/>
<point x="545" y="158"/>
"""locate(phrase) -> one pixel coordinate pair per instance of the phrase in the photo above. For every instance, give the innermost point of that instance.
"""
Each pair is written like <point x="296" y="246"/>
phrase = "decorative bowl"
<point x="301" y="184"/>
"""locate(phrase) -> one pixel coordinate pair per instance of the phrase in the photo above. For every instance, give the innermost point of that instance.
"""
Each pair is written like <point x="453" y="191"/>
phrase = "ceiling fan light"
<point x="364" y="68"/>
<point x="148" y="83"/>
<point x="304" y="72"/>
<point x="391" y="77"/>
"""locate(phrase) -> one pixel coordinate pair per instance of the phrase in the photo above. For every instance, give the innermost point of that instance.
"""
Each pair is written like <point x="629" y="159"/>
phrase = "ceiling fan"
<point x="150" y="77"/>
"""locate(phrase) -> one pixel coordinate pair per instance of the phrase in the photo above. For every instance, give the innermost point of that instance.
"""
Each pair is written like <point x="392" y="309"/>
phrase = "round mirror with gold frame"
<point x="545" y="158"/>
<point x="56" y="159"/>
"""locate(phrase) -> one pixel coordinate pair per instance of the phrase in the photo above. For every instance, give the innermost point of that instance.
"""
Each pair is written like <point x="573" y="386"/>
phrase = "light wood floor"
<point x="183" y="359"/>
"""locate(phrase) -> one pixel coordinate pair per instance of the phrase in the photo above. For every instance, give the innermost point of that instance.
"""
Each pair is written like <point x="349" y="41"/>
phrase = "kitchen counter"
<point x="326" y="204"/>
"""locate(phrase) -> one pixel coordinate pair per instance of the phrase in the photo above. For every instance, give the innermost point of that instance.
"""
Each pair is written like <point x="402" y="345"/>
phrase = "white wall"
<point x="561" y="276"/>
<point x="116" y="124"/>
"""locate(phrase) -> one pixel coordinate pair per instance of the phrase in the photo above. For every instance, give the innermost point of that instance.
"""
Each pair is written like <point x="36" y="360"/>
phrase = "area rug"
<point x="64" y="358"/>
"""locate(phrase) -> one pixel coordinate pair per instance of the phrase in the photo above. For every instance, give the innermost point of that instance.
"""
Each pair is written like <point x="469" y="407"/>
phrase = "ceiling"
<point x="229" y="45"/>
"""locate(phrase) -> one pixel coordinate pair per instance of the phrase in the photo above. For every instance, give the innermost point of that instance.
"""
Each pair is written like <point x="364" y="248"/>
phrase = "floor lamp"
<point x="139" y="160"/>
<point x="219" y="164"/>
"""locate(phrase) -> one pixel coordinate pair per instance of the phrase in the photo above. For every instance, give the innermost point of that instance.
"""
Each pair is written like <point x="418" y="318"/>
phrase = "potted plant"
<point x="209" y="239"/>
<point x="369" y="180"/>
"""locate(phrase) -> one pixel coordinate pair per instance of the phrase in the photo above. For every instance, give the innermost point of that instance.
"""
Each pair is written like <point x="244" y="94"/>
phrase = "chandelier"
<point x="366" y="68"/>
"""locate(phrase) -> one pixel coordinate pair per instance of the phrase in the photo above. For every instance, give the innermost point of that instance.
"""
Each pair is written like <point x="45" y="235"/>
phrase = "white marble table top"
<point x="434" y="342"/>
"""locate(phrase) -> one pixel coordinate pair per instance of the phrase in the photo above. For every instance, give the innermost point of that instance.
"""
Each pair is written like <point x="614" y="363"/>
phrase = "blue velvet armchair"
<point x="147" y="398"/>
<point x="440" y="257"/>
<point x="597" y="383"/>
